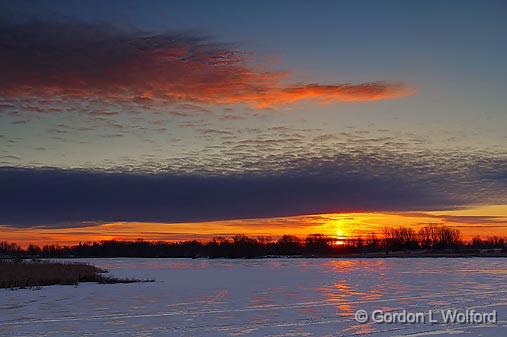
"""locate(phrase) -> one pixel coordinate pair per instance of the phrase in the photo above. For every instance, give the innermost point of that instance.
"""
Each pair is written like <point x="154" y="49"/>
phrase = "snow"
<point x="262" y="297"/>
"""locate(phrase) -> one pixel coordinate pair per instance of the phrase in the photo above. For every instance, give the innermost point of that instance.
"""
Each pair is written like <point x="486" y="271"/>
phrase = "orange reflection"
<point x="345" y="291"/>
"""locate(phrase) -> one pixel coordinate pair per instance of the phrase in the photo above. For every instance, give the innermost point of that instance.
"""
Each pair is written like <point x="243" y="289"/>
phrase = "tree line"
<point x="391" y="239"/>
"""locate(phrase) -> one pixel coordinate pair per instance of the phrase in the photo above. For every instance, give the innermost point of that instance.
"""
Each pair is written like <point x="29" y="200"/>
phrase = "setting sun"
<point x="339" y="234"/>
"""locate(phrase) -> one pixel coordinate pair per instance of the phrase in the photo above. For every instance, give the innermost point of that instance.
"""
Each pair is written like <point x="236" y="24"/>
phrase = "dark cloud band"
<point x="56" y="197"/>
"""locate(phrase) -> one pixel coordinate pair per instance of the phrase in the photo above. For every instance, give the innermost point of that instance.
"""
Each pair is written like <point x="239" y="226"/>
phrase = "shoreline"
<point x="400" y="254"/>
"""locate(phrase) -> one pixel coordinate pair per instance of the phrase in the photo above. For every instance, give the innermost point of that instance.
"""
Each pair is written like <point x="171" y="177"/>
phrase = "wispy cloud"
<point x="90" y="61"/>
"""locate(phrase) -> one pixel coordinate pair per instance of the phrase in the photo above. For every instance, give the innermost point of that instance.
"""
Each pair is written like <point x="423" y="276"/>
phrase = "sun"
<point x="339" y="234"/>
<point x="339" y="237"/>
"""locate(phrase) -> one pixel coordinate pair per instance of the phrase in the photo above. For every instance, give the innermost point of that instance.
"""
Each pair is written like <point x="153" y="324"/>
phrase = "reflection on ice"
<point x="264" y="297"/>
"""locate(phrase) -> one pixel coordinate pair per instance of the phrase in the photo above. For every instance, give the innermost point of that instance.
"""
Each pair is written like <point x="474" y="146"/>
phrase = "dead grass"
<point x="21" y="274"/>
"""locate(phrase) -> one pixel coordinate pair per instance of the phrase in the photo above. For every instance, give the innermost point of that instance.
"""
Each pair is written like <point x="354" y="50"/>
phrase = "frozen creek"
<point x="263" y="297"/>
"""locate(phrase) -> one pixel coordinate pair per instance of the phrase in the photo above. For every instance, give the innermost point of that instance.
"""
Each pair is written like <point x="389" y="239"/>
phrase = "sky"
<point x="190" y="119"/>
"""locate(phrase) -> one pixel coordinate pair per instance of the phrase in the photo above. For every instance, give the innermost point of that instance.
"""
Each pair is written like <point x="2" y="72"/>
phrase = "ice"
<point x="262" y="297"/>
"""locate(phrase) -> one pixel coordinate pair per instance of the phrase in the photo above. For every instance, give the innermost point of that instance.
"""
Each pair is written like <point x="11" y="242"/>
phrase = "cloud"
<point x="364" y="92"/>
<point x="342" y="183"/>
<point x="100" y="61"/>
<point x="464" y="219"/>
<point x="52" y="197"/>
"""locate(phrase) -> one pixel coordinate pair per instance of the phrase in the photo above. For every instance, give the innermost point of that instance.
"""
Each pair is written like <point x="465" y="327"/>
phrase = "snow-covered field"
<point x="267" y="297"/>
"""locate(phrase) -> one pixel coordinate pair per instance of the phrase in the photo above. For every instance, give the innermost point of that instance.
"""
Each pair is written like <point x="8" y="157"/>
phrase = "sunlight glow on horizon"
<point x="484" y="221"/>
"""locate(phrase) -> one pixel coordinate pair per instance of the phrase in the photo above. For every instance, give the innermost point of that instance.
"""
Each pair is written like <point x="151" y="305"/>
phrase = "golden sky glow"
<point x="483" y="220"/>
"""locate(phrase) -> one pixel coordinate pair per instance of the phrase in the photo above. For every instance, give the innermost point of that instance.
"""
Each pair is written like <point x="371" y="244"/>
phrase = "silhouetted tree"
<point x="289" y="245"/>
<point x="317" y="243"/>
<point x="433" y="236"/>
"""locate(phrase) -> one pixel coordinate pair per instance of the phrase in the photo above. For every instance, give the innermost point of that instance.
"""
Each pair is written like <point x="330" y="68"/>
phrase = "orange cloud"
<point x="364" y="92"/>
<point x="101" y="61"/>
